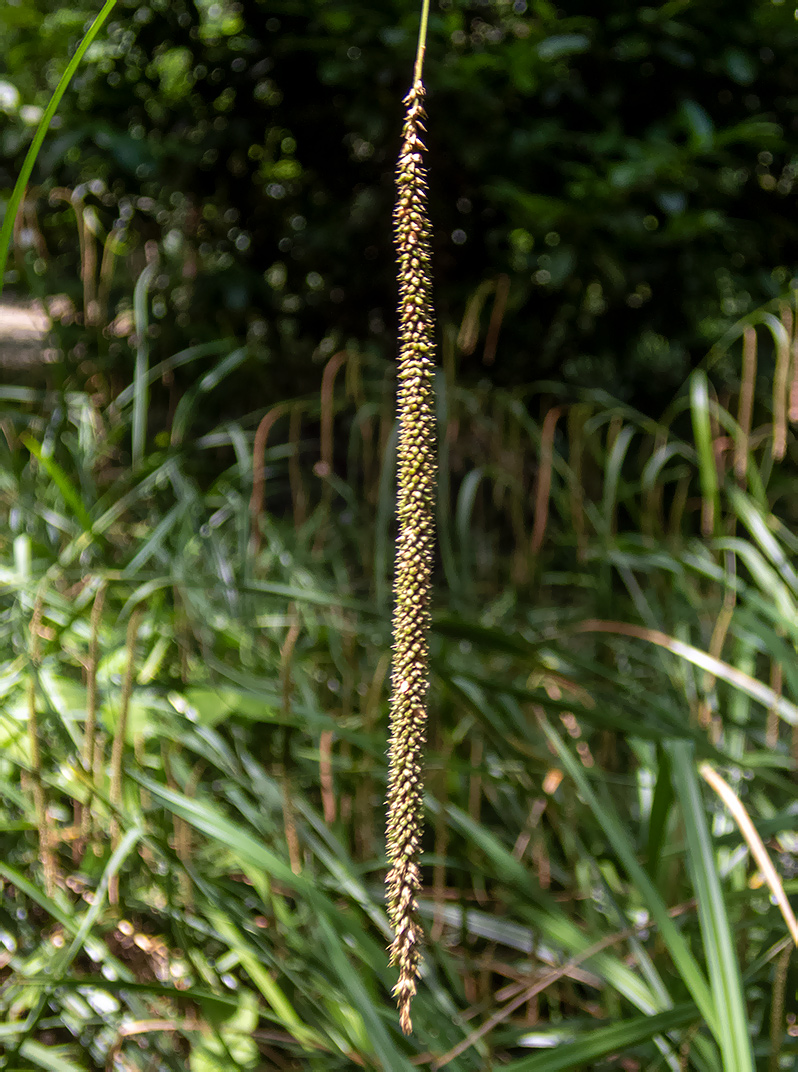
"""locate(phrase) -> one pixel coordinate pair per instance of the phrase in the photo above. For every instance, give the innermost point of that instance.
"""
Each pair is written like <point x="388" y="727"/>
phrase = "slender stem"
<point x="422" y="41"/>
<point x="118" y="748"/>
<point x="46" y="854"/>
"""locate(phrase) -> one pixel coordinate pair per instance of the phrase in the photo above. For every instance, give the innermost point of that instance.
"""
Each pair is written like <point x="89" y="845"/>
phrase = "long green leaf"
<point x="612" y="475"/>
<point x="141" y="392"/>
<point x="702" y="432"/>
<point x="547" y="915"/>
<point x="616" y="833"/>
<point x="61" y="480"/>
<point x="597" y="1044"/>
<point x="7" y="230"/>
<point x="390" y="1058"/>
<point x="203" y="816"/>
<point x="51" y="1058"/>
<point x="724" y="973"/>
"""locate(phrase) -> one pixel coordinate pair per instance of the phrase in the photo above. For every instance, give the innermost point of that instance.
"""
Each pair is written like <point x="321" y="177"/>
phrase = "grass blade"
<point x="730" y="674"/>
<point x="7" y="230"/>
<point x="597" y="1044"/>
<point x="61" y="481"/>
<point x="702" y="431"/>
<point x="732" y="1032"/>
<point x="618" y="837"/>
<point x="141" y="394"/>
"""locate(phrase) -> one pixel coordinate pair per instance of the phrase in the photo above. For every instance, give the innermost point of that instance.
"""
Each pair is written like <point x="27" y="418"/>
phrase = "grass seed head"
<point x="414" y="549"/>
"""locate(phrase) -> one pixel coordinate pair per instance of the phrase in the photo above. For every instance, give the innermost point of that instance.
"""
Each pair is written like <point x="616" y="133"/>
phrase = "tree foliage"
<point x="628" y="171"/>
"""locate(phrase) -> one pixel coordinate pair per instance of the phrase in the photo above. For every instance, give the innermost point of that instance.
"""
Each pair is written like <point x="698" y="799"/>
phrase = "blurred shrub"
<point x="629" y="172"/>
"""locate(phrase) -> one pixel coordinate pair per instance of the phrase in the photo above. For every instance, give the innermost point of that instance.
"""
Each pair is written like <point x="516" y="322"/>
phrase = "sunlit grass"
<point x="217" y="855"/>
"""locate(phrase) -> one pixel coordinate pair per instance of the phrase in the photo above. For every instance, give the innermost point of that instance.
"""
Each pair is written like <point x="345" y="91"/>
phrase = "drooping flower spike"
<point x="414" y="551"/>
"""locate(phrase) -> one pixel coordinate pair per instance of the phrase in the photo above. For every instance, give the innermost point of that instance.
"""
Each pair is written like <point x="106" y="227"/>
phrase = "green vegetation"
<point x="218" y="892"/>
<point x="195" y="605"/>
<point x="629" y="170"/>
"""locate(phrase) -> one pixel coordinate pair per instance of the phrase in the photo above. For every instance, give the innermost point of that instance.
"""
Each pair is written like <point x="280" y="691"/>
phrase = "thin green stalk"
<point x="118" y="749"/>
<point x="731" y="1020"/>
<point x="12" y="208"/>
<point x="39" y="794"/>
<point x="91" y="679"/>
<point x="90" y="726"/>
<point x="422" y="41"/>
<point x="141" y="391"/>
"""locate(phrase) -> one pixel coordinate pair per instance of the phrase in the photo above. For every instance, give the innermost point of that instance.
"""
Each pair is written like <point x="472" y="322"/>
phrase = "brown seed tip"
<point x="405" y="1022"/>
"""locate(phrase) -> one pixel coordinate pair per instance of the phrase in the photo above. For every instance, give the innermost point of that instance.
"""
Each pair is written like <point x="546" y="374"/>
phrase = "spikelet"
<point x="414" y="549"/>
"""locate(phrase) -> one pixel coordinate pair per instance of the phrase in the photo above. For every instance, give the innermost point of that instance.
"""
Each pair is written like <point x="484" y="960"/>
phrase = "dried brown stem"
<point x="496" y="317"/>
<point x="259" y="474"/>
<point x="543" y="488"/>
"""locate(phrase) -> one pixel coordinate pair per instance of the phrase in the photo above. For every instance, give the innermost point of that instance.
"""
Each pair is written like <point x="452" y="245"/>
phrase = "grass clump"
<point x="618" y="608"/>
<point x="230" y="814"/>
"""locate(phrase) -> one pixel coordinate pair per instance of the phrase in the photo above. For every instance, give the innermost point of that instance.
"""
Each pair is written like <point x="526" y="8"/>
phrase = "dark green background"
<point x="630" y="168"/>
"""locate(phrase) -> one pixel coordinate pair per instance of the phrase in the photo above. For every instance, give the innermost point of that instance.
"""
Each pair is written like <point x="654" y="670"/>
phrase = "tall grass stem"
<point x="118" y="749"/>
<point x="422" y="42"/>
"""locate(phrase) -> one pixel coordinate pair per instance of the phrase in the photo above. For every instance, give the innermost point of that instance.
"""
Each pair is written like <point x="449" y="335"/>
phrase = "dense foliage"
<point x="194" y="715"/>
<point x="197" y="513"/>
<point x="619" y="182"/>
